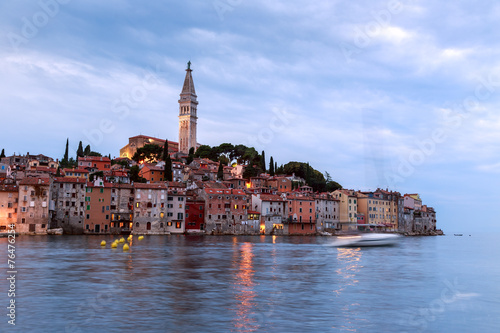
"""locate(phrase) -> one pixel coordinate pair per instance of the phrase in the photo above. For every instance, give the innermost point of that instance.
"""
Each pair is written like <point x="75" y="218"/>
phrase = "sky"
<point x="396" y="94"/>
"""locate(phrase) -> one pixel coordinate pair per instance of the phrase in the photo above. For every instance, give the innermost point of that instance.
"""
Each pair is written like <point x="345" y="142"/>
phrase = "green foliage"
<point x="87" y="151"/>
<point x="58" y="172"/>
<point x="149" y="153"/>
<point x="79" y="151"/>
<point x="190" y="157"/>
<point x="313" y="177"/>
<point x="220" y="172"/>
<point x="65" y="159"/>
<point x="251" y="171"/>
<point x="124" y="163"/>
<point x="331" y="185"/>
<point x="94" y="153"/>
<point x="134" y="175"/>
<point x="271" y="166"/>
<point x="2" y="155"/>
<point x="96" y="175"/>
<point x="239" y="153"/>
<point x="263" y="161"/>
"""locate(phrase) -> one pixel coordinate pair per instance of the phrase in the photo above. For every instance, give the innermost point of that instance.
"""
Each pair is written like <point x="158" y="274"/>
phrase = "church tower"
<point x="187" y="113"/>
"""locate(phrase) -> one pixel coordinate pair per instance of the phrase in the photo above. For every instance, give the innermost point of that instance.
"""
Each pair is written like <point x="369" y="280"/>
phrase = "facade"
<point x="33" y="206"/>
<point x="95" y="163"/>
<point x="195" y="213"/>
<point x="188" y="106"/>
<point x="273" y="212"/>
<point x="140" y="141"/>
<point x="122" y="208"/>
<point x="226" y="211"/>
<point x="97" y="208"/>
<point x="327" y="212"/>
<point x="68" y="196"/>
<point x="152" y="173"/>
<point x="301" y="215"/>
<point x="348" y="205"/>
<point x="9" y="198"/>
<point x="76" y="173"/>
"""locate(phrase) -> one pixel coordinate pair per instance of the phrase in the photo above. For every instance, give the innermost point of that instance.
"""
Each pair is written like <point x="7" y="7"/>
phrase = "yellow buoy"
<point x="141" y="238"/>
<point x="126" y="247"/>
<point x="114" y="245"/>
<point x="122" y="240"/>
<point x="129" y="238"/>
<point x="103" y="243"/>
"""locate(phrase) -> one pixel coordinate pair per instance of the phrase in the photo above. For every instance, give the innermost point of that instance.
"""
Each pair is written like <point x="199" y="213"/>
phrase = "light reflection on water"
<point x="250" y="284"/>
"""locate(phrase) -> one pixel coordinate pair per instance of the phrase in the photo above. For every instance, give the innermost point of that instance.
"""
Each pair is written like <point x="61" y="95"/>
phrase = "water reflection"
<point x="245" y="320"/>
<point x="349" y="267"/>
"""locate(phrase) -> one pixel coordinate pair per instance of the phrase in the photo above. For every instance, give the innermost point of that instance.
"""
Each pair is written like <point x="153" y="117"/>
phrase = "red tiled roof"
<point x="76" y="170"/>
<point x="94" y="158"/>
<point x="69" y="180"/>
<point x="35" y="181"/>
<point x="159" y="186"/>
<point x="271" y="197"/>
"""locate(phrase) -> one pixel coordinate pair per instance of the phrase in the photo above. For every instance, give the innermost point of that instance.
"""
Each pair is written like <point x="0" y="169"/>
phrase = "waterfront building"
<point x="226" y="210"/>
<point x="379" y="209"/>
<point x="348" y="206"/>
<point x="97" y="207"/>
<point x="188" y="108"/>
<point x="68" y="197"/>
<point x="327" y="212"/>
<point x="33" y="206"/>
<point x="122" y="208"/>
<point x="273" y="212"/>
<point x="9" y="199"/>
<point x="195" y="212"/>
<point x="301" y="214"/>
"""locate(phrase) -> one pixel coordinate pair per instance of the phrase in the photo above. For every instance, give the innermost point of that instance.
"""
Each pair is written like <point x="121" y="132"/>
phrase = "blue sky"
<point x="398" y="94"/>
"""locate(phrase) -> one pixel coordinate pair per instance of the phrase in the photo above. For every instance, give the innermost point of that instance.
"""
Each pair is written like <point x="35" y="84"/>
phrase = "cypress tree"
<point x="87" y="151"/>
<point x="275" y="167"/>
<point x="220" y="172"/>
<point x="58" y="172"/>
<point x="167" y="172"/>
<point x="271" y="166"/>
<point x="2" y="155"/>
<point x="79" y="151"/>
<point x="263" y="161"/>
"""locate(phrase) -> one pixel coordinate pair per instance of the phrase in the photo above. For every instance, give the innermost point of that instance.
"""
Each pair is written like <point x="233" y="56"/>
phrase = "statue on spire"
<point x="189" y="64"/>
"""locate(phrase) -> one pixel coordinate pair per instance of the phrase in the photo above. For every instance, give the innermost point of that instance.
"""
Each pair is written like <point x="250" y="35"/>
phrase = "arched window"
<point x="148" y="226"/>
<point x="137" y="224"/>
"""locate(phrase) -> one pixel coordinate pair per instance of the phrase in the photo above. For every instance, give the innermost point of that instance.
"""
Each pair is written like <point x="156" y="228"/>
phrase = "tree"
<point x="331" y="185"/>
<point x="220" y="172"/>
<point x="134" y="175"/>
<point x="65" y="159"/>
<point x="2" y="155"/>
<point x="271" y="166"/>
<point x="167" y="171"/>
<point x="263" y="163"/>
<point x="79" y="151"/>
<point x="149" y="153"/>
<point x="190" y="157"/>
<point x="313" y="177"/>
<point x="165" y="150"/>
<point x="87" y="151"/>
<point x="58" y="172"/>
<point x="94" y="153"/>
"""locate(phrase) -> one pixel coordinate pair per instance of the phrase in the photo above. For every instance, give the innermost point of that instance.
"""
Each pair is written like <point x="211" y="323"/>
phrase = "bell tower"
<point x="188" y="106"/>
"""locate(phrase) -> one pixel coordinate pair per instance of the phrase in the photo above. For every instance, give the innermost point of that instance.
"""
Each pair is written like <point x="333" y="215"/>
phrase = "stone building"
<point x="97" y="207"/>
<point x="273" y="212"/>
<point x="33" y="206"/>
<point x="122" y="208"/>
<point x="348" y="205"/>
<point x="327" y="212"/>
<point x="226" y="210"/>
<point x="68" y="196"/>
<point x="9" y="198"/>
<point x="301" y="215"/>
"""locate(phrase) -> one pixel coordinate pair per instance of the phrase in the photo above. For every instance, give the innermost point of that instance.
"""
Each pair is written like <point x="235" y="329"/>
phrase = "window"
<point x="169" y="224"/>
<point x="178" y="225"/>
<point x="180" y="216"/>
<point x="23" y="220"/>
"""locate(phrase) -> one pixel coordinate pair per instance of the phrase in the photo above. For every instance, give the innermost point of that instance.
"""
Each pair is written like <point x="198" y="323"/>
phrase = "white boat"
<point x="367" y="240"/>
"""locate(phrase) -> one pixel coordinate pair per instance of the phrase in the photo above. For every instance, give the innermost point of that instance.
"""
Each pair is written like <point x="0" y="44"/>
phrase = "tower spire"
<point x="188" y="105"/>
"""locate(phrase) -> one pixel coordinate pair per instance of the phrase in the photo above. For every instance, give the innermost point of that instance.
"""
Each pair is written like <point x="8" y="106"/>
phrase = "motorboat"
<point x="369" y="239"/>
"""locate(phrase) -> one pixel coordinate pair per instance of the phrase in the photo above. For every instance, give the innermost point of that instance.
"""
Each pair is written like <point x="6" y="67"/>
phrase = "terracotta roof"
<point x="271" y="197"/>
<point x="253" y="212"/>
<point x="76" y="170"/>
<point x="94" y="158"/>
<point x="35" y="181"/>
<point x="8" y="188"/>
<point x="158" y="186"/>
<point x="69" y="180"/>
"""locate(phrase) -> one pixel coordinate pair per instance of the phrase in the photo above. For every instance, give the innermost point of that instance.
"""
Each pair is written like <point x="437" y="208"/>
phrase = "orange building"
<point x="152" y="173"/>
<point x="301" y="215"/>
<point x="94" y="162"/>
<point x="76" y="173"/>
<point x="97" y="208"/>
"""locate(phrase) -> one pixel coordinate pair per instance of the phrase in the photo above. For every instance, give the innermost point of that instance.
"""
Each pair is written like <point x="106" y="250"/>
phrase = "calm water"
<point x="246" y="284"/>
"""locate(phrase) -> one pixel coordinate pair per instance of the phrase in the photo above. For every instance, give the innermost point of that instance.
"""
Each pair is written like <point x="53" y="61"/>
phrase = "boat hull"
<point x="368" y="240"/>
